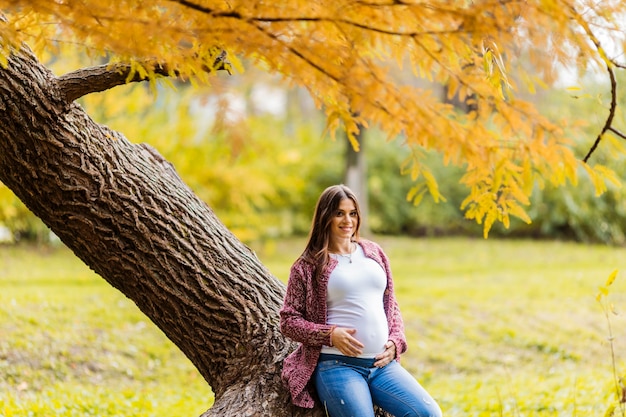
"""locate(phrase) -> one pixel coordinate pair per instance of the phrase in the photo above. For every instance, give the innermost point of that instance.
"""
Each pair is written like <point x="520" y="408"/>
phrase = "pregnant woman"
<point x="340" y="306"/>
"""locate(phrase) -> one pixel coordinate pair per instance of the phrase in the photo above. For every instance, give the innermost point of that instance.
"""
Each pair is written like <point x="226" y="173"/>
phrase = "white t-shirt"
<point x="355" y="300"/>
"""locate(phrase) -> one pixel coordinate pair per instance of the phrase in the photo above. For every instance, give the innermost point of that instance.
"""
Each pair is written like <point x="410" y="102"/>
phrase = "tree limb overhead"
<point x="79" y="83"/>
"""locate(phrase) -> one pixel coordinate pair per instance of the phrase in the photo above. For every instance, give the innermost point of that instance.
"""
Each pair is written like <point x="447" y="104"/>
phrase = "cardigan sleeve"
<point x="296" y="320"/>
<point x="392" y="309"/>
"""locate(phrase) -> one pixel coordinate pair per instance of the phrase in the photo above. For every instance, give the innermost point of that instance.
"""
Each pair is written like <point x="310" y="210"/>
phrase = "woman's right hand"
<point x="342" y="338"/>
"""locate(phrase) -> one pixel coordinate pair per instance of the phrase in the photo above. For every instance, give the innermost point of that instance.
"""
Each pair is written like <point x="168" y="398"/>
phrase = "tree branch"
<point x="608" y="125"/>
<point x="103" y="77"/>
<point x="609" y="120"/>
<point x="320" y="19"/>
<point x="85" y="81"/>
<point x="617" y="132"/>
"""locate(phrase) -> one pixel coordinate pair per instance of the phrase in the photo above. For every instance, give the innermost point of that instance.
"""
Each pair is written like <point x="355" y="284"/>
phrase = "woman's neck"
<point x="343" y="246"/>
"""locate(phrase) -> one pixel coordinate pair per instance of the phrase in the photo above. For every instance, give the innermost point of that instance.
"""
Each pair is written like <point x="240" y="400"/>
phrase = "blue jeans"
<point x="350" y="387"/>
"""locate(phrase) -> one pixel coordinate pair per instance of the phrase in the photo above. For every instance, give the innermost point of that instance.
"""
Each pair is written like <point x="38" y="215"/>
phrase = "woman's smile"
<point x="344" y="221"/>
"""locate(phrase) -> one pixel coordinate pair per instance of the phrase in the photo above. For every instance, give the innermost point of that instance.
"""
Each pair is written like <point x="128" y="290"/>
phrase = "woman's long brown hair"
<point x="316" y="250"/>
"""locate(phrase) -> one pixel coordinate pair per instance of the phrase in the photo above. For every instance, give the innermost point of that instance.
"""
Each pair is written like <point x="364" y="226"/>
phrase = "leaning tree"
<point x="123" y="210"/>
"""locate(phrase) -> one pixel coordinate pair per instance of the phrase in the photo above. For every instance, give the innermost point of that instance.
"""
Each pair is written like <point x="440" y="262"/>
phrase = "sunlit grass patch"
<point x="514" y="323"/>
<point x="71" y="345"/>
<point x="495" y="328"/>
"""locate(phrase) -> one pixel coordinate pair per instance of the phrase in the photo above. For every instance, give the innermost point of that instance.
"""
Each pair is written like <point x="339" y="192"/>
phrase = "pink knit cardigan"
<point x="303" y="319"/>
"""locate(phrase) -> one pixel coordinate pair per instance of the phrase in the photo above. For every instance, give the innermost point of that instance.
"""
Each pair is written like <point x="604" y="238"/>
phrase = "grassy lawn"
<point x="495" y="328"/>
<point x="72" y="345"/>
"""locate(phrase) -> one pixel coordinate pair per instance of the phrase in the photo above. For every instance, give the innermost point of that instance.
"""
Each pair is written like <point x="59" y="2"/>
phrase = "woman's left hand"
<point x="385" y="358"/>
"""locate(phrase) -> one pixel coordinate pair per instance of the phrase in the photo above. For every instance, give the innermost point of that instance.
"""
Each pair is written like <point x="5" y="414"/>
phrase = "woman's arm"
<point x="294" y="322"/>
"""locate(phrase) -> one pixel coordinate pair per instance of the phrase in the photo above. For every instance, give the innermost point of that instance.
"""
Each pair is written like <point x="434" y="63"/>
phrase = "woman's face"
<point x="344" y="221"/>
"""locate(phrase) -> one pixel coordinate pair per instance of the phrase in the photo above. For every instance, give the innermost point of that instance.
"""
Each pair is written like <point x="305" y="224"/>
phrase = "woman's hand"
<point x="342" y="338"/>
<point x="385" y="358"/>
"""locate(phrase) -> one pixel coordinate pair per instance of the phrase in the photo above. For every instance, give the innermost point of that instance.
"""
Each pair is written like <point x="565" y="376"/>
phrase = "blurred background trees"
<point x="455" y="82"/>
<point x="257" y="153"/>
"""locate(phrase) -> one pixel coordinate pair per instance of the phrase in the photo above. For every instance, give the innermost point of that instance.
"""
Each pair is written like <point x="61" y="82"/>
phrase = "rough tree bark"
<point x="123" y="210"/>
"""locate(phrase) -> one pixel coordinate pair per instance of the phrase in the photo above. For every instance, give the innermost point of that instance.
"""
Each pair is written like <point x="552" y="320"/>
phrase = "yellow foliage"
<point x="603" y="291"/>
<point x="611" y="279"/>
<point x="600" y="176"/>
<point x="346" y="54"/>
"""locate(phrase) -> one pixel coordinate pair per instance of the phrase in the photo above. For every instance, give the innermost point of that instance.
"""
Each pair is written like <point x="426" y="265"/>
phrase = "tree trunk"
<point x="124" y="211"/>
<point x="356" y="177"/>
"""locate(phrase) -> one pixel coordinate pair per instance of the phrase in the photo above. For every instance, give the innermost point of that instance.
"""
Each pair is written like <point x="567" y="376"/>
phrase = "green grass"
<point x="495" y="328"/>
<point x="72" y="345"/>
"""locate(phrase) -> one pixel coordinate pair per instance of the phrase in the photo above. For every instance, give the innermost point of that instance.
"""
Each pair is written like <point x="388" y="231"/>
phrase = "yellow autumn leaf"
<point x="520" y="213"/>
<point x="433" y="188"/>
<point x="611" y="278"/>
<point x="596" y="180"/>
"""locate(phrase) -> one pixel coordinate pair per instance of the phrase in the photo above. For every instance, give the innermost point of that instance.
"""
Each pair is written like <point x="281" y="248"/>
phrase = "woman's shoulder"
<point x="370" y="246"/>
<point x="302" y="270"/>
<point x="373" y="250"/>
<point x="302" y="264"/>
